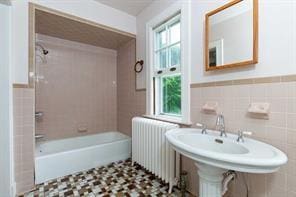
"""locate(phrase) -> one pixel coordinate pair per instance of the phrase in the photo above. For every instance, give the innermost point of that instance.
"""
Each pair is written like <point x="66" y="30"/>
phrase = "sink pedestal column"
<point x="210" y="180"/>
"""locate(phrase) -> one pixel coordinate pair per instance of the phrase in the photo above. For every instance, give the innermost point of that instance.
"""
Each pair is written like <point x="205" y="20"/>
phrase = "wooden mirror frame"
<point x="255" y="37"/>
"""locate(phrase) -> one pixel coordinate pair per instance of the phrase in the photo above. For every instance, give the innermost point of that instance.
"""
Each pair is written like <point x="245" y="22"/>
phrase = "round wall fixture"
<point x="139" y="66"/>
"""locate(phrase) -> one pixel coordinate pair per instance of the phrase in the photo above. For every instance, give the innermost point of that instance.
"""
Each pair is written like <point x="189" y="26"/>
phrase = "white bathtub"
<point x="58" y="158"/>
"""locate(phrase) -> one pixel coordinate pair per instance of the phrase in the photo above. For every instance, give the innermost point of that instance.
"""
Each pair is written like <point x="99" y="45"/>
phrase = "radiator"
<point x="151" y="149"/>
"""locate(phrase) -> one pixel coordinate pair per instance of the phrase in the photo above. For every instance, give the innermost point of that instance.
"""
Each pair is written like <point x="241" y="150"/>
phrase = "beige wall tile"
<point x="130" y="103"/>
<point x="291" y="105"/>
<point x="276" y="90"/>
<point x="291" y="88"/>
<point x="278" y="104"/>
<point x="279" y="130"/>
<point x="23" y="139"/>
<point x="242" y="91"/>
<point x="276" y="192"/>
<point x="257" y="185"/>
<point x="291" y="135"/>
<point x="276" y="180"/>
<point x="78" y="90"/>
<point x="291" y="180"/>
<point x="276" y="133"/>
<point x="291" y="121"/>
<point x="278" y="119"/>
<point x="192" y="175"/>
<point x="291" y="194"/>
<point x="241" y="103"/>
<point x="291" y="150"/>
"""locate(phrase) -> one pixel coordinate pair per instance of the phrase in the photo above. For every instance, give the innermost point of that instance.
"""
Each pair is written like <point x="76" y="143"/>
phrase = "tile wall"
<point x="279" y="130"/>
<point x="23" y="138"/>
<point x="130" y="102"/>
<point x="78" y="92"/>
<point x="81" y="93"/>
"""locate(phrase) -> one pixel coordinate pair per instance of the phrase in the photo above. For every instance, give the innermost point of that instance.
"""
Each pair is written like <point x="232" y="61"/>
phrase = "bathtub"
<point x="58" y="158"/>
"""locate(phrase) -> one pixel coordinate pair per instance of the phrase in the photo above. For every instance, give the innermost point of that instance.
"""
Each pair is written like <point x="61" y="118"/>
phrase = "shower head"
<point x="44" y="51"/>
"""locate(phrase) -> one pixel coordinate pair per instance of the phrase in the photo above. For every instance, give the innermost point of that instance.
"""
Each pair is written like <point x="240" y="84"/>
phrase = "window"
<point x="167" y="68"/>
<point x="168" y="60"/>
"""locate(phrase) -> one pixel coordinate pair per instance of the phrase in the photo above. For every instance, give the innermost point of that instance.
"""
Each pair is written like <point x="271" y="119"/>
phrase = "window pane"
<point x="161" y="58"/>
<point x="175" y="55"/>
<point x="175" y="32"/>
<point x="161" y="39"/>
<point x="171" y="95"/>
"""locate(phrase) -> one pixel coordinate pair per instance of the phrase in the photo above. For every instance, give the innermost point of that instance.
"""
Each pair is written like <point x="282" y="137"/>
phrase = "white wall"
<point x="277" y="38"/>
<point x="146" y="15"/>
<point x="5" y="103"/>
<point x="87" y="9"/>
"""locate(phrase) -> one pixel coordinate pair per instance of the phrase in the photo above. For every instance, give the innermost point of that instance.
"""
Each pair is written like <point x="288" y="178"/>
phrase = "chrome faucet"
<point x="240" y="135"/>
<point x="220" y="125"/>
<point x="203" y="128"/>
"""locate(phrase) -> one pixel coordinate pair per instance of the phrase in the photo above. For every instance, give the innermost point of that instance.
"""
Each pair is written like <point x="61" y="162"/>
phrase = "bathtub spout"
<point x="39" y="136"/>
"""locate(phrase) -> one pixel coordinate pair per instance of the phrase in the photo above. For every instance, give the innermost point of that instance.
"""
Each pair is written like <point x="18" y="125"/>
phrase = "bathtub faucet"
<point x="39" y="136"/>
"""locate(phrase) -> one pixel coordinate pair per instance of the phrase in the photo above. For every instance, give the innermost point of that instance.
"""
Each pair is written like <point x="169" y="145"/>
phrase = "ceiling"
<point x="74" y="30"/>
<point x="132" y="7"/>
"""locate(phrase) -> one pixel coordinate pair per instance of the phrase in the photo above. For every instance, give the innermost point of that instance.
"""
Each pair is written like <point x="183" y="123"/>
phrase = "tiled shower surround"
<point x="89" y="100"/>
<point x="78" y="93"/>
<point x="279" y="130"/>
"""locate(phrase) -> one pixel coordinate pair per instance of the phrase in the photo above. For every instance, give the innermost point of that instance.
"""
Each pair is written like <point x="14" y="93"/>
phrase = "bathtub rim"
<point x="127" y="138"/>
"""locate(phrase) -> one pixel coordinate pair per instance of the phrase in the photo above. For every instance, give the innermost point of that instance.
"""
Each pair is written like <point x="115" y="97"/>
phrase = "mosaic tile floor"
<point x="117" y="179"/>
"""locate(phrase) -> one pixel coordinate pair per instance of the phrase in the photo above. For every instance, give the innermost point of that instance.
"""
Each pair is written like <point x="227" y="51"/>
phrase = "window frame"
<point x="165" y="26"/>
<point x="184" y="10"/>
<point x="165" y="72"/>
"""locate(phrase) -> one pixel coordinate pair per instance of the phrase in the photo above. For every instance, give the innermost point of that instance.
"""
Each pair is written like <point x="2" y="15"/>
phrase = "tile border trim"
<point x="259" y="80"/>
<point x="19" y="85"/>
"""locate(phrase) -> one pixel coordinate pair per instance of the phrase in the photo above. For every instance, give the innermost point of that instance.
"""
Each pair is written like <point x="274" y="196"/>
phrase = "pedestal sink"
<point x="214" y="155"/>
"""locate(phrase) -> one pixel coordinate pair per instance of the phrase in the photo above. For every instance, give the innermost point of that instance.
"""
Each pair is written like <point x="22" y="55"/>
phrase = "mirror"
<point x="231" y="38"/>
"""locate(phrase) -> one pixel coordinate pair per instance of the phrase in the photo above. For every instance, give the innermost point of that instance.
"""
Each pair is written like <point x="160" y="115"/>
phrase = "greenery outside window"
<point x="171" y="95"/>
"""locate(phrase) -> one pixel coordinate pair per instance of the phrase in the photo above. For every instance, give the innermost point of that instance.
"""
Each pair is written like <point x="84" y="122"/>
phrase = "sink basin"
<point x="215" y="155"/>
<point x="212" y="144"/>
<point x="225" y="152"/>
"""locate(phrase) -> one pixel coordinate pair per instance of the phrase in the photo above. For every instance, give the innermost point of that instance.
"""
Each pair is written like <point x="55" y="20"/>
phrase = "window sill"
<point x="168" y="119"/>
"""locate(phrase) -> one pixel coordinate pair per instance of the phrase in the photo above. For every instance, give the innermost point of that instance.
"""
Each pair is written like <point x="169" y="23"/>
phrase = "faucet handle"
<point x="249" y="133"/>
<point x="200" y="125"/>
<point x="203" y="128"/>
<point x="241" y="134"/>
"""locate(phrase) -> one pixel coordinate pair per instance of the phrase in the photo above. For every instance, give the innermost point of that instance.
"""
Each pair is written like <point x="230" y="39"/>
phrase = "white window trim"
<point x="185" y="9"/>
<point x="165" y="72"/>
